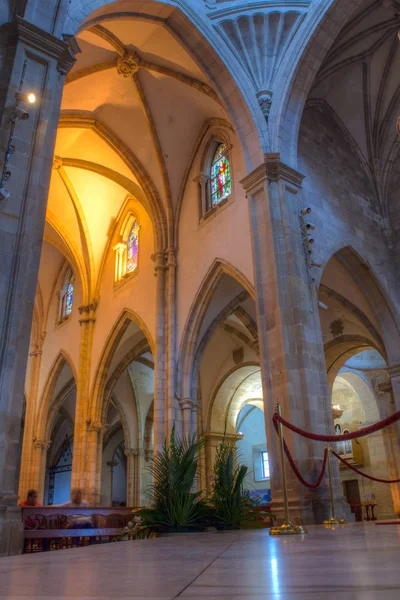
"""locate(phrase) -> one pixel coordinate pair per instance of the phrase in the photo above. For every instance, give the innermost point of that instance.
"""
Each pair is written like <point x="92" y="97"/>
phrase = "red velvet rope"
<point x="295" y="469"/>
<point x="344" y="436"/>
<point x="364" y="474"/>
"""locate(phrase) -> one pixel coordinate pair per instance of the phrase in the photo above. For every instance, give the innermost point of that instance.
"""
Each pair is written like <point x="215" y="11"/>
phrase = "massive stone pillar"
<point x="31" y="61"/>
<point x="29" y="474"/>
<point x="160" y="381"/>
<point x="291" y="347"/>
<point x="387" y="389"/>
<point x="86" y="464"/>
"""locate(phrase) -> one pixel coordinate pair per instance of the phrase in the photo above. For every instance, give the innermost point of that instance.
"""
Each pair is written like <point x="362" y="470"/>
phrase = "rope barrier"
<point x="361" y="473"/>
<point x="295" y="469"/>
<point x="344" y="436"/>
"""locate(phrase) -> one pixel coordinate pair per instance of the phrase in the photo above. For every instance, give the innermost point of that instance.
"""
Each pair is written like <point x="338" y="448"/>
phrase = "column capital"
<point x="272" y="169"/>
<point x="171" y="257"/>
<point x="159" y="262"/>
<point x="202" y="178"/>
<point x="88" y="311"/>
<point x="62" y="50"/>
<point x="393" y="371"/>
<point x="382" y="383"/>
<point x="188" y="404"/>
<point x="134" y="452"/>
<point x="94" y="425"/>
<point x="41" y="444"/>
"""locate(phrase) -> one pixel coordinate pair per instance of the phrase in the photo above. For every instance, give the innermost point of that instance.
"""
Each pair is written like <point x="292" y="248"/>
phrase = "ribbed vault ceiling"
<point x="134" y="108"/>
<point x="359" y="84"/>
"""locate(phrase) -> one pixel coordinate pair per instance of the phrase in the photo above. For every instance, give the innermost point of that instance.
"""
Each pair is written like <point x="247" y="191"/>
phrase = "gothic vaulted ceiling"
<point x="359" y="84"/>
<point x="133" y="107"/>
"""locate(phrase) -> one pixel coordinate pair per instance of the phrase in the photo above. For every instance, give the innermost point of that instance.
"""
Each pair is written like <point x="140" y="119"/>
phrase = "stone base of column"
<point x="311" y="512"/>
<point x="11" y="530"/>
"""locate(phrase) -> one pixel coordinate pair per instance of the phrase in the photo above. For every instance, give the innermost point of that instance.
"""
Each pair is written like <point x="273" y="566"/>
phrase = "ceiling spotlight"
<point x="31" y="98"/>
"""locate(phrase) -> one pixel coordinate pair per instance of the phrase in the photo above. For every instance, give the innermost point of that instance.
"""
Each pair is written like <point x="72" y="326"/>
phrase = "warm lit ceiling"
<point x="133" y="107"/>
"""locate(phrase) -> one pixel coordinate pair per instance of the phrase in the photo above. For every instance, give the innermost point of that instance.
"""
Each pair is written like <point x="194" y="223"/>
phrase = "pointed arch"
<point x="126" y="317"/>
<point x="370" y="285"/>
<point x="200" y="304"/>
<point x="200" y="40"/>
<point x="220" y="403"/>
<point x="74" y="256"/>
<point x="82" y="222"/>
<point x="145" y="192"/>
<point x="46" y="398"/>
<point x="215" y="127"/>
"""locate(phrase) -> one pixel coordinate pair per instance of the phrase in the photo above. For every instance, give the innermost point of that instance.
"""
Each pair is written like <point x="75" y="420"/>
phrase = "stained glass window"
<point x="69" y="296"/>
<point x="132" y="249"/>
<point x="220" y="176"/>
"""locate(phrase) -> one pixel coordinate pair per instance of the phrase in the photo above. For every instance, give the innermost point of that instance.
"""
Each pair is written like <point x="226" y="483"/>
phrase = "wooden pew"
<point x="54" y="526"/>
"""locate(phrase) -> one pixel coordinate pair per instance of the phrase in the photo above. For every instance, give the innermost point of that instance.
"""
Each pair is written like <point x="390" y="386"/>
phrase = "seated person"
<point x="31" y="522"/>
<point x="78" y="521"/>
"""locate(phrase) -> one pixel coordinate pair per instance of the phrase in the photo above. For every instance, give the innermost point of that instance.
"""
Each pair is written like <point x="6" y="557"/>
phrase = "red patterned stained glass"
<point x="220" y="176"/>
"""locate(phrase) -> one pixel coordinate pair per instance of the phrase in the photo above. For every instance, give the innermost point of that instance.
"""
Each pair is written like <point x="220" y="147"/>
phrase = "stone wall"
<point x="337" y="188"/>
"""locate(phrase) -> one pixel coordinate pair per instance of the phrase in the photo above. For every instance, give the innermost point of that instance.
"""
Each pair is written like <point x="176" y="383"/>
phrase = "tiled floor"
<point x="353" y="562"/>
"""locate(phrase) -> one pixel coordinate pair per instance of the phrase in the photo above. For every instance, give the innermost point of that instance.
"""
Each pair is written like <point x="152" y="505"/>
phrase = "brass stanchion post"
<point x="333" y="520"/>
<point x="287" y="527"/>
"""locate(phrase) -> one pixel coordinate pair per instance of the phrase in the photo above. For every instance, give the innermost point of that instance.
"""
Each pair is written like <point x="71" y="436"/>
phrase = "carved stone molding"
<point x="188" y="404"/>
<point x="272" y="169"/>
<point x="128" y="65"/>
<point x="87" y="312"/>
<point x="134" y="452"/>
<point x="394" y="371"/>
<point x="41" y="444"/>
<point x="40" y="40"/>
<point x="37" y="345"/>
<point x="94" y="425"/>
<point x="382" y="384"/>
<point x="265" y="101"/>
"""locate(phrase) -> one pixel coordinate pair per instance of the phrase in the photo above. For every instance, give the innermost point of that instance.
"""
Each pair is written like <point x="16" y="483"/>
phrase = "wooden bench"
<point x="51" y="527"/>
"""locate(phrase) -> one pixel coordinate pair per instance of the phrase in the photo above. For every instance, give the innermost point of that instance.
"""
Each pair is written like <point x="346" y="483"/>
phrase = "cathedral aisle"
<point x="355" y="562"/>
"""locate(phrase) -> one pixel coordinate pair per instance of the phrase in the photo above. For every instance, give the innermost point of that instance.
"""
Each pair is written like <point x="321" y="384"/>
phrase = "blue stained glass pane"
<point x="220" y="176"/>
<point x="69" y="299"/>
<point x="132" y="250"/>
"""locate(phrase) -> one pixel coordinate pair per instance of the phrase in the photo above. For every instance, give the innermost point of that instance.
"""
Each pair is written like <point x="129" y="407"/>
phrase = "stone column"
<point x="112" y="464"/>
<point x="86" y="472"/>
<point x="92" y="449"/>
<point x="394" y="374"/>
<point x="28" y="478"/>
<point x="32" y="60"/>
<point x="290" y="339"/>
<point x="384" y="387"/>
<point x="186" y="408"/>
<point x="171" y="339"/>
<point x="160" y="383"/>
<point x="133" y="475"/>
<point x="38" y="462"/>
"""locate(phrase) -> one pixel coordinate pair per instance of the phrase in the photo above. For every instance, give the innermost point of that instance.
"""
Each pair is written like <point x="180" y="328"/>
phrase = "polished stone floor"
<point x="353" y="562"/>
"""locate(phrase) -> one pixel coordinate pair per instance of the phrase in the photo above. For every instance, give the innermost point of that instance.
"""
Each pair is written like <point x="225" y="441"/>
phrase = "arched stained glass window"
<point x="220" y="176"/>
<point x="69" y="297"/>
<point x="132" y="249"/>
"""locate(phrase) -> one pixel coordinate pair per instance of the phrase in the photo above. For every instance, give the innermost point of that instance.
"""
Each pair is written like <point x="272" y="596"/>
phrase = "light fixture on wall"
<point x="19" y="113"/>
